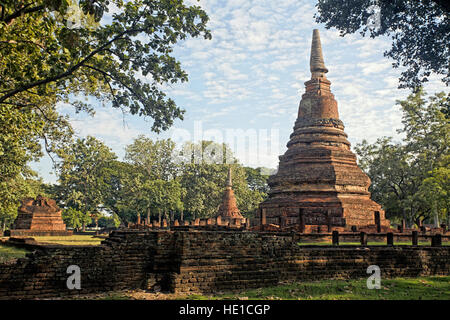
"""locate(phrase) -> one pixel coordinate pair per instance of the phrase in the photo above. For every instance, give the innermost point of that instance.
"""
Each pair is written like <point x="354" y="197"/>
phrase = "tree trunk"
<point x="436" y="217"/>
<point x="148" y="216"/>
<point x="448" y="218"/>
<point x="181" y="216"/>
<point x="405" y="216"/>
<point x="159" y="216"/>
<point x="418" y="222"/>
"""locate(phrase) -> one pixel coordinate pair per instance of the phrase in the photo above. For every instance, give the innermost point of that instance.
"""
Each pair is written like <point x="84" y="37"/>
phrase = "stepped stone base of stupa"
<point x="36" y="233"/>
<point x="324" y="212"/>
<point x="39" y="217"/>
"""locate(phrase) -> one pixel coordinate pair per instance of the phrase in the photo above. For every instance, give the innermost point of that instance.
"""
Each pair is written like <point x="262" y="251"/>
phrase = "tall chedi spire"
<point x="318" y="178"/>
<point x="316" y="64"/>
<point x="229" y="183"/>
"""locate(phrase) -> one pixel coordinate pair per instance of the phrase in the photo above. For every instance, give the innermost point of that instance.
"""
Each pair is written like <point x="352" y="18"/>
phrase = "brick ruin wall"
<point x="205" y="262"/>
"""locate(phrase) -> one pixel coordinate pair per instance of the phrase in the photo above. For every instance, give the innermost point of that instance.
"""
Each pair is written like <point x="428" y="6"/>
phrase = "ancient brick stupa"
<point x="318" y="172"/>
<point x="228" y="210"/>
<point x="39" y="217"/>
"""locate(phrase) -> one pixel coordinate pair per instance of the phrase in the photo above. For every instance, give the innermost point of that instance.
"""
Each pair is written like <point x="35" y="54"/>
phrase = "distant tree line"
<point x="156" y="179"/>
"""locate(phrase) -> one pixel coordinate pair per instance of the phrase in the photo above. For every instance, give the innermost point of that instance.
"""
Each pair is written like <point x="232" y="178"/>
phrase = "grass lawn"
<point x="423" y="288"/>
<point x="70" y="240"/>
<point x="8" y="253"/>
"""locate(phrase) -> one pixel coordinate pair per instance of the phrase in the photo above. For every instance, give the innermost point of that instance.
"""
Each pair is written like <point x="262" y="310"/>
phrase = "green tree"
<point x="112" y="221"/>
<point x="394" y="180"/>
<point x="20" y="136"/>
<point x="419" y="32"/>
<point x="436" y="189"/>
<point x="409" y="178"/>
<point x="257" y="179"/>
<point x="426" y="127"/>
<point x="154" y="184"/>
<point x="155" y="158"/>
<point x="202" y="183"/>
<point x="44" y="55"/>
<point x="118" y="198"/>
<point x="22" y="131"/>
<point x="83" y="175"/>
<point x="427" y="140"/>
<point x="13" y="191"/>
<point x="164" y="198"/>
<point x="132" y="192"/>
<point x="75" y="219"/>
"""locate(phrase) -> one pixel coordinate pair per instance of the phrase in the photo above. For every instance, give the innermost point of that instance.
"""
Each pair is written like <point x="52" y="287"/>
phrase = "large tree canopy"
<point x="125" y="58"/>
<point x="155" y="159"/>
<point x="84" y="175"/>
<point x="419" y="31"/>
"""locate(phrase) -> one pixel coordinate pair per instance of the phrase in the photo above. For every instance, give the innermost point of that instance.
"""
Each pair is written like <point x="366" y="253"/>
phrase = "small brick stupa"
<point x="39" y="217"/>
<point x="318" y="173"/>
<point x="228" y="210"/>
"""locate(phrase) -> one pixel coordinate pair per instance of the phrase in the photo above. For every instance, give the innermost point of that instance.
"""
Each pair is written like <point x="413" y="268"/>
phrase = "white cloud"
<point x="374" y="67"/>
<point x="111" y="125"/>
<point x="230" y="73"/>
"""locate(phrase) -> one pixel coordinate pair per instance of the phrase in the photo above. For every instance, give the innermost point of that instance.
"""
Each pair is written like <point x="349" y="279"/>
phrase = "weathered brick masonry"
<point x="212" y="262"/>
<point x="206" y="262"/>
<point x="39" y="217"/>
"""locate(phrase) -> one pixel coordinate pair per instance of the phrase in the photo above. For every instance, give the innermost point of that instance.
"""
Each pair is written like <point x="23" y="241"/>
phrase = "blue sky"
<point x="250" y="77"/>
